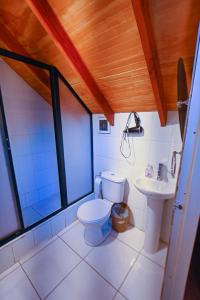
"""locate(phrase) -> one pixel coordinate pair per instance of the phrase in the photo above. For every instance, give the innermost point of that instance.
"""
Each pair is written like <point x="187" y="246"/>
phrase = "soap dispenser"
<point x="149" y="172"/>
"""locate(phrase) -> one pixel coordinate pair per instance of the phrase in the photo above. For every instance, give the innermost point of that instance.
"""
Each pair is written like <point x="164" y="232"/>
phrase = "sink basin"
<point x="156" y="192"/>
<point x="159" y="190"/>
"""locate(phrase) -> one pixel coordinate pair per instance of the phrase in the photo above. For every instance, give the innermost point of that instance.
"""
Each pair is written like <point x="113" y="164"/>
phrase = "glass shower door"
<point x="8" y="209"/>
<point x="77" y="144"/>
<point x="30" y="123"/>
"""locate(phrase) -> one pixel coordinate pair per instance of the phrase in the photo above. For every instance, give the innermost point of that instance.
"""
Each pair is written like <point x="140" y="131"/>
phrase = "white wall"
<point x="155" y="146"/>
<point x="30" y="126"/>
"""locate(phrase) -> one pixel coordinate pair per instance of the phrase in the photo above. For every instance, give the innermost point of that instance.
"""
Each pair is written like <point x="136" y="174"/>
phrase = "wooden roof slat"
<point x="106" y="35"/>
<point x="13" y="45"/>
<point x="149" y="47"/>
<point x="52" y="25"/>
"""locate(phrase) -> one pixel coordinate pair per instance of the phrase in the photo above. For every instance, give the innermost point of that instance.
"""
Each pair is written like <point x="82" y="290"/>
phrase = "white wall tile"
<point x="158" y="133"/>
<point x="7" y="258"/>
<point x="160" y="152"/>
<point x="23" y="245"/>
<point x="42" y="233"/>
<point x="58" y="223"/>
<point x="155" y="146"/>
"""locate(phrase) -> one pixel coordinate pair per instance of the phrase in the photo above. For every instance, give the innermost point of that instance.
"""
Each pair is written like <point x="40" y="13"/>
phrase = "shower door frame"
<point x="54" y="75"/>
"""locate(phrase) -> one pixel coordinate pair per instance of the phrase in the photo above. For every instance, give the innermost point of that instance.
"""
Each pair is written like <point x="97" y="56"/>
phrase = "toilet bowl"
<point x="95" y="214"/>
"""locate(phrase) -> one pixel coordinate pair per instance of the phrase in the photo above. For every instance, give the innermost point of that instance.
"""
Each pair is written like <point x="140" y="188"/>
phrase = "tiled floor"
<point x="67" y="268"/>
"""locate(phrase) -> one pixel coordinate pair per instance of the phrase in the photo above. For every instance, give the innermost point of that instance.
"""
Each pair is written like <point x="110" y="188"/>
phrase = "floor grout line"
<point x="30" y="281"/>
<point x="116" y="236"/>
<point x="139" y="251"/>
<point x="9" y="271"/>
<point x="73" y="249"/>
<point x="120" y="295"/>
<point x="131" y="247"/>
<point x="130" y="269"/>
<point x="83" y="258"/>
<point x="100" y="275"/>
<point x="22" y="261"/>
<point x="151" y="260"/>
<point x="59" y="281"/>
<point x="63" y="279"/>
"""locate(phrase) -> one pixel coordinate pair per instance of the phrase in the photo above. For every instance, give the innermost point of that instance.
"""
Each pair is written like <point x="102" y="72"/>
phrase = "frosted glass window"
<point x="76" y="129"/>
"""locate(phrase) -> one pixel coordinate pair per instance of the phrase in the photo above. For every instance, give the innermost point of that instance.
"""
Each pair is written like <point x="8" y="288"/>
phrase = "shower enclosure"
<point x="45" y="144"/>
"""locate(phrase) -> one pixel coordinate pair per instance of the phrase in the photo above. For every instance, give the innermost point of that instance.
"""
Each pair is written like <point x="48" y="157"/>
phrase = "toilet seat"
<point x="94" y="211"/>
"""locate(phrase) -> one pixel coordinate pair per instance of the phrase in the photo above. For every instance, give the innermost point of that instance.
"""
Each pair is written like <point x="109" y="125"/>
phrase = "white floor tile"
<point x="160" y="256"/>
<point x="47" y="268"/>
<point x="83" y="284"/>
<point x="74" y="237"/>
<point x="144" y="281"/>
<point x="132" y="237"/>
<point x="112" y="260"/>
<point x="16" y="286"/>
<point x="119" y="297"/>
<point x="8" y="271"/>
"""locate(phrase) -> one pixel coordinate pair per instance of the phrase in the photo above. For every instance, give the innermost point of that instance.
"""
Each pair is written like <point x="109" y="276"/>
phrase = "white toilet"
<point x="95" y="214"/>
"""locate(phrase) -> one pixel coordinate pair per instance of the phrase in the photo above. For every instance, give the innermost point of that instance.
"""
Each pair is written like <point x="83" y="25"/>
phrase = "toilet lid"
<point x="94" y="210"/>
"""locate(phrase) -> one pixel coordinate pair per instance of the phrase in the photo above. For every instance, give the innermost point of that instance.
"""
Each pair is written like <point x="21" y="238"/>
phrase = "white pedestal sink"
<point x="157" y="192"/>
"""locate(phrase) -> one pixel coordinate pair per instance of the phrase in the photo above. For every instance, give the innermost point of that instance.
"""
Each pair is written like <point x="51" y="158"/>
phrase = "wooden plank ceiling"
<point x="107" y="37"/>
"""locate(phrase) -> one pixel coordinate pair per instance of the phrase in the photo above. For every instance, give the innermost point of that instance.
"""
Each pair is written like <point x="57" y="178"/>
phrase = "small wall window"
<point x="103" y="125"/>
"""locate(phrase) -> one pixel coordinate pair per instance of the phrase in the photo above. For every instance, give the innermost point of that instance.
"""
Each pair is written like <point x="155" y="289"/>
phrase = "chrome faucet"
<point x="161" y="169"/>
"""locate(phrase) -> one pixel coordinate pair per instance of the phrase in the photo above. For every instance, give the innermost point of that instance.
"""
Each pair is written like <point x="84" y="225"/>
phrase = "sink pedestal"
<point x="153" y="224"/>
<point x="156" y="192"/>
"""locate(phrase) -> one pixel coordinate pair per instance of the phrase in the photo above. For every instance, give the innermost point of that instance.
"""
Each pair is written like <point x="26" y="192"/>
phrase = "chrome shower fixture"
<point x="173" y="162"/>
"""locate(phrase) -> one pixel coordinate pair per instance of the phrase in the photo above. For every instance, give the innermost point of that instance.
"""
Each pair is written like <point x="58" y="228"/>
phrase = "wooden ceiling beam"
<point x="13" y="45"/>
<point x="54" y="28"/>
<point x="149" y="48"/>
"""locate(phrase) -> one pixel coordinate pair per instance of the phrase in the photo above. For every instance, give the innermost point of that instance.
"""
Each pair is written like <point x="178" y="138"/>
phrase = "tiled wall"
<point x="31" y="129"/>
<point x="15" y="250"/>
<point x="155" y="146"/>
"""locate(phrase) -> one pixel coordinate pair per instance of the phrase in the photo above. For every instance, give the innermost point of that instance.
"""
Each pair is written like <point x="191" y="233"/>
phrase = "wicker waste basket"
<point x="120" y="217"/>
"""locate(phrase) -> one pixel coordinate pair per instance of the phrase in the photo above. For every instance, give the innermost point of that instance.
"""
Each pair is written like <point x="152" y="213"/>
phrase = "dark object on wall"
<point x="182" y="95"/>
<point x="103" y="125"/>
<point x="128" y="132"/>
<point x="137" y="128"/>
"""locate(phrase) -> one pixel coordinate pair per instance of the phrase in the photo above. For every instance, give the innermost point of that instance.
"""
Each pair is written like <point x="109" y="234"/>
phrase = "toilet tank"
<point x="113" y="186"/>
